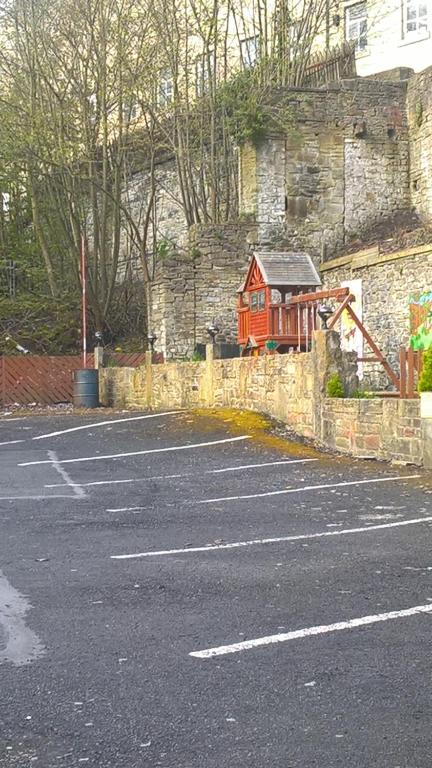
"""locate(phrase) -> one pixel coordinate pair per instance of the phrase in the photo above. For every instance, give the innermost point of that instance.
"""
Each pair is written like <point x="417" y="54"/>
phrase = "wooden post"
<point x="402" y="365"/>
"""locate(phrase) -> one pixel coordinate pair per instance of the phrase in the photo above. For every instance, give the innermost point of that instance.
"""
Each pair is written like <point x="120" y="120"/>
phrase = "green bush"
<point x="334" y="386"/>
<point x="361" y="394"/>
<point x="425" y="380"/>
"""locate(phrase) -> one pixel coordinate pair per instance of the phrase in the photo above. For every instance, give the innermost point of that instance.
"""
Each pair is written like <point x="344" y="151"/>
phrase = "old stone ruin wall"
<point x="358" y="153"/>
<point x="342" y="166"/>
<point x="199" y="286"/>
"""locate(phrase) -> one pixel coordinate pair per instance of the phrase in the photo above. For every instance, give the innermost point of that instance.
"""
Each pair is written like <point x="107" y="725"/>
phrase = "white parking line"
<point x="12" y="442"/>
<point x="39" y="498"/>
<point x="105" y="423"/>
<point x="300" y="634"/>
<point x="140" y="453"/>
<point x="274" y="540"/>
<point x="188" y="474"/>
<point x="78" y="491"/>
<point x="307" y="488"/>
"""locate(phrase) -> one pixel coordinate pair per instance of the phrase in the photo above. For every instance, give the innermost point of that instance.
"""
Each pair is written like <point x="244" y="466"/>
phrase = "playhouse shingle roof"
<point x="287" y="268"/>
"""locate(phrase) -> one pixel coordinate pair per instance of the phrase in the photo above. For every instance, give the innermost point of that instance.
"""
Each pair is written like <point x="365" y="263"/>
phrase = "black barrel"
<point x="86" y="388"/>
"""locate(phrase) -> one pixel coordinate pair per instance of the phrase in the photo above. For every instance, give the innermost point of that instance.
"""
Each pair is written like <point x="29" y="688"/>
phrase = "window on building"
<point x="166" y="88"/>
<point x="356" y="25"/>
<point x="416" y="16"/>
<point x="249" y="51"/>
<point x="204" y="73"/>
<point x="5" y="196"/>
<point x="130" y="112"/>
<point x="257" y="301"/>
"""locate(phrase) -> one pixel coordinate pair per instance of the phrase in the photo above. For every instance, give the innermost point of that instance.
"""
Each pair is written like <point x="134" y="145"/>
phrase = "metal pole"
<point x="84" y="302"/>
<point x="307" y="328"/>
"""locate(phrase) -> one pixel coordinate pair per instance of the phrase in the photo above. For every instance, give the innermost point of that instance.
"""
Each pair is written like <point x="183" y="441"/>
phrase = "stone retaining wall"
<point x="287" y="387"/>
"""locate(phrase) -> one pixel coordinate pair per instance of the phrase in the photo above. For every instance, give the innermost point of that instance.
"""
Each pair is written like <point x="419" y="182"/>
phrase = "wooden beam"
<point x="334" y="293"/>
<point x="334" y="318"/>
<point x="388" y="369"/>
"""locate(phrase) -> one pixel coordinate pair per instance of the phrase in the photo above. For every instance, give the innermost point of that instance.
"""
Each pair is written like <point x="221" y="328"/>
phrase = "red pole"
<point x="84" y="301"/>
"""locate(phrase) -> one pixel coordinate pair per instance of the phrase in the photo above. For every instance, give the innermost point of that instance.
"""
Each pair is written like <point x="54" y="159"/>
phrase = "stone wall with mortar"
<point x="420" y="127"/>
<point x="387" y="286"/>
<point x="377" y="428"/>
<point x="290" y="388"/>
<point x="200" y="286"/>
<point x="342" y="167"/>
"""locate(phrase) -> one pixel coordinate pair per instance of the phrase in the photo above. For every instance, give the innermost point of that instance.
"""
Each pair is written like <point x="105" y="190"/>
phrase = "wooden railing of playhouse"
<point x="411" y="364"/>
<point x="306" y="306"/>
<point x="298" y="318"/>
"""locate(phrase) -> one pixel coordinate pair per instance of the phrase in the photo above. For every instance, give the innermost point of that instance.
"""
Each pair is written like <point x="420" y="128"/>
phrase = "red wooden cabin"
<point x="269" y="317"/>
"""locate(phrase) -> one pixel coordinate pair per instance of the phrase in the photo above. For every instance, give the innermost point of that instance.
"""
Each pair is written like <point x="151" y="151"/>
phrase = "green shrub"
<point x="425" y="380"/>
<point x="334" y="386"/>
<point x="361" y="394"/>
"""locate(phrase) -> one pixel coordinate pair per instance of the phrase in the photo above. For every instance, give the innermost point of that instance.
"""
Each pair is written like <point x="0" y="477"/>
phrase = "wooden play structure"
<point x="279" y="307"/>
<point x="269" y="317"/>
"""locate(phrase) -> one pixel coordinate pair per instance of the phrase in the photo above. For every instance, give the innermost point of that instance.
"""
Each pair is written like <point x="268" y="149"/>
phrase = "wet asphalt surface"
<point x="95" y="664"/>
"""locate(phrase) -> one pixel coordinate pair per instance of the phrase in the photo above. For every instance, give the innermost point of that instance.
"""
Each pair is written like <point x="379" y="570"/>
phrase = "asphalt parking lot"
<point x="185" y="591"/>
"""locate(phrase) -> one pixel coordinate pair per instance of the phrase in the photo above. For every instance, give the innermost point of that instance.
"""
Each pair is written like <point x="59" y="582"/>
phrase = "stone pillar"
<point x="207" y="386"/>
<point x="328" y="359"/>
<point x="98" y="357"/>
<point x="426" y="437"/>
<point x="149" y="378"/>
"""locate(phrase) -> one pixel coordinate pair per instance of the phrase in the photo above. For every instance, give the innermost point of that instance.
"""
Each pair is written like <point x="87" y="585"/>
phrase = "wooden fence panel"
<point x="411" y="364"/>
<point x="47" y="380"/>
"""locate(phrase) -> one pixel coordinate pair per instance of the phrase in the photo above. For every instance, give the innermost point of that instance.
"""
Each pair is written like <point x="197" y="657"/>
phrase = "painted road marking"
<point x="37" y="498"/>
<point x="188" y="474"/>
<point x="77" y="490"/>
<point x="305" y="488"/>
<point x="274" y="540"/>
<point x="12" y="442"/>
<point x="106" y="423"/>
<point x="141" y="453"/>
<point x="300" y="634"/>
<point x="126" y="509"/>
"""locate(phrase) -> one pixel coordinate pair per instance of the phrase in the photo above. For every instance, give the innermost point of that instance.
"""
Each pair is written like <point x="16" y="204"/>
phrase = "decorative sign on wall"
<point x="351" y="336"/>
<point x="420" y="309"/>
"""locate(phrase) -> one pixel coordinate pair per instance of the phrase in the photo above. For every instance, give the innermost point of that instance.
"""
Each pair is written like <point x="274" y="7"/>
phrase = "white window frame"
<point x="250" y="51"/>
<point x="353" y="26"/>
<point x="419" y="22"/>
<point x="5" y="202"/>
<point x="166" y="88"/>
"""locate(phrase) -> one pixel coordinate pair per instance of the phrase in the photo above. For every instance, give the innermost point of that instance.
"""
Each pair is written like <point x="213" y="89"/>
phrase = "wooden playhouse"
<point x="276" y="310"/>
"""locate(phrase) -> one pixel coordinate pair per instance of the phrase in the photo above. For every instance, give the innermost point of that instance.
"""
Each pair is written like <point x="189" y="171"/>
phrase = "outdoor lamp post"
<point x="324" y="312"/>
<point x="151" y="338"/>
<point x="213" y="331"/>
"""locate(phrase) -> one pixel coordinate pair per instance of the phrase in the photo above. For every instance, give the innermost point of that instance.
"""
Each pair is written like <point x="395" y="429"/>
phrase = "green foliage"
<point x="197" y="357"/>
<point x="419" y="113"/>
<point x="240" y="103"/>
<point x="334" y="387"/>
<point x="425" y="380"/>
<point x="362" y="394"/>
<point x="40" y="324"/>
<point x="164" y="248"/>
